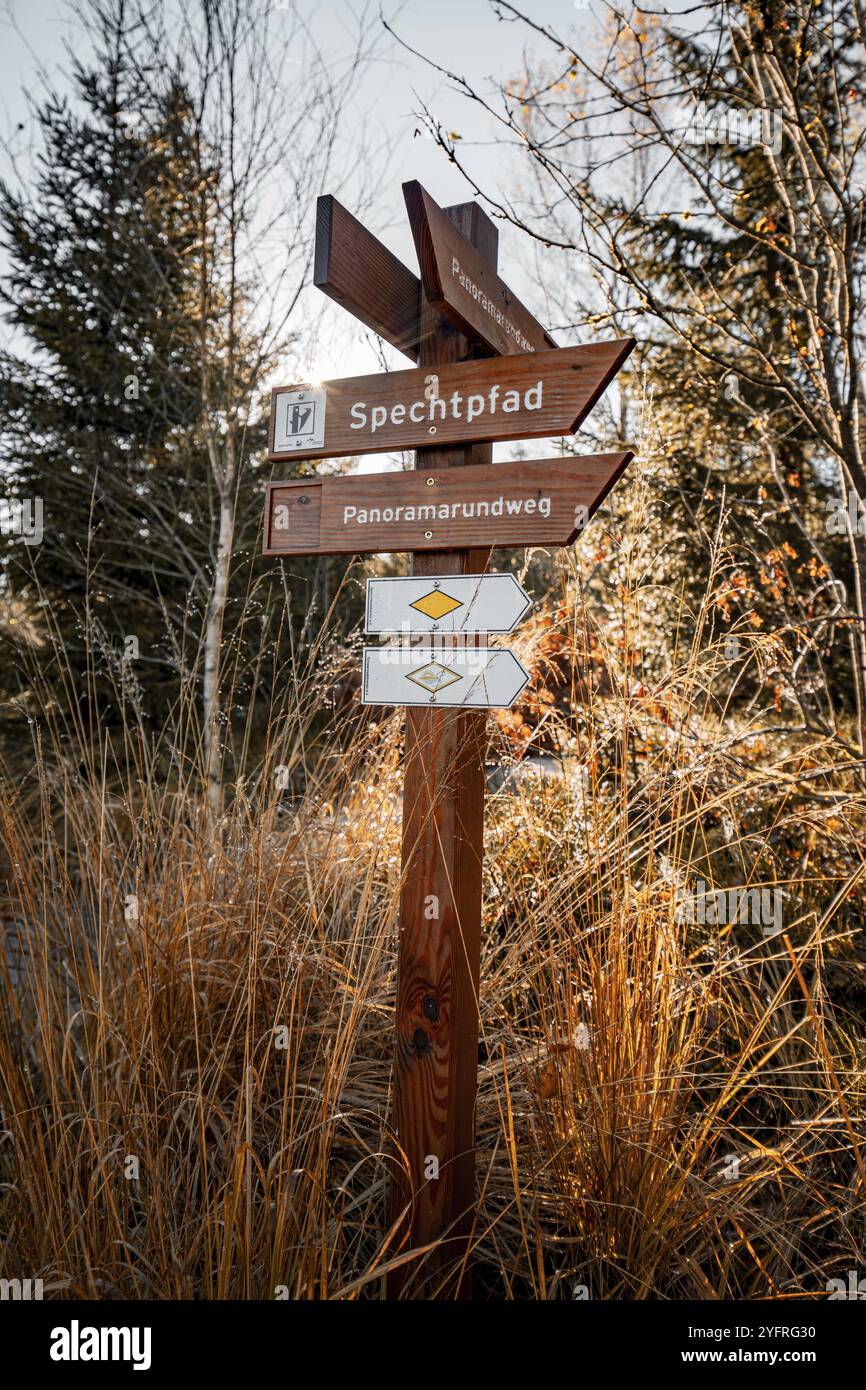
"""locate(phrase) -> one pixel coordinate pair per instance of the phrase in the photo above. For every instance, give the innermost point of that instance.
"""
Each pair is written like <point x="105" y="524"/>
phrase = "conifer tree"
<point x="99" y="398"/>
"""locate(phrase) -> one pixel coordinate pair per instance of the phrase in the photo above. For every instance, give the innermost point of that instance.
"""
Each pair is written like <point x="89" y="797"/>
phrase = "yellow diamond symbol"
<point x="436" y="604"/>
<point x="434" y="676"/>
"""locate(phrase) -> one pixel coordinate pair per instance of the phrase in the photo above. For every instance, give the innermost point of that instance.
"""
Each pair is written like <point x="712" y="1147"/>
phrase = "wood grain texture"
<point x="437" y="1014"/>
<point x="338" y="515"/>
<point x="528" y="396"/>
<point x="353" y="268"/>
<point x="436" y="1059"/>
<point x="463" y="286"/>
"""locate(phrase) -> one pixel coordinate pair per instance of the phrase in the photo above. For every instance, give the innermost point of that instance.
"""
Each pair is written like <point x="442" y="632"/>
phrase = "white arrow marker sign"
<point x="446" y="603"/>
<point x="472" y="677"/>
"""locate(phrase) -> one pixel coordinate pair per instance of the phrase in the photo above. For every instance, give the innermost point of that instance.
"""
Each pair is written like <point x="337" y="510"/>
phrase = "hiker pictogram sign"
<point x="486" y="370"/>
<point x="530" y="396"/>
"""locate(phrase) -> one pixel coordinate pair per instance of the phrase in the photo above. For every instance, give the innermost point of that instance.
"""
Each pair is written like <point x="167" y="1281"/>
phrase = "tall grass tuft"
<point x="196" y="1024"/>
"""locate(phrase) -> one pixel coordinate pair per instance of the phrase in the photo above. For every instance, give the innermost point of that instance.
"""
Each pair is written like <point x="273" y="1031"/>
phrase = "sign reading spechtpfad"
<point x="531" y="396"/>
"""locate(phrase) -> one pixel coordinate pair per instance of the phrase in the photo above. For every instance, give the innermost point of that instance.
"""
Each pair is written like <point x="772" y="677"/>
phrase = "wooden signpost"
<point x="531" y="396"/>
<point x="449" y="513"/>
<point x="470" y="603"/>
<point x="463" y="285"/>
<point x="362" y="275"/>
<point x="464" y="677"/>
<point x="534" y="502"/>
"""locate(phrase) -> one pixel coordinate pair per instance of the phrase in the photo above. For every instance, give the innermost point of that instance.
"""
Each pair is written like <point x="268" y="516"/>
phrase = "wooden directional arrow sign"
<point x="531" y="396"/>
<point x="533" y="502"/>
<point x="452" y="603"/>
<point x="354" y="268"/>
<point x="449" y="513"/>
<point x="463" y="286"/>
<point x="469" y="677"/>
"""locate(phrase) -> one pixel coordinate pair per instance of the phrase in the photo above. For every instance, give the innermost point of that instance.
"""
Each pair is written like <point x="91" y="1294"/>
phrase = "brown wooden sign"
<point x="354" y="268"/>
<point x="533" y="502"/>
<point x="463" y="286"/>
<point x="449" y="513"/>
<point x="531" y="396"/>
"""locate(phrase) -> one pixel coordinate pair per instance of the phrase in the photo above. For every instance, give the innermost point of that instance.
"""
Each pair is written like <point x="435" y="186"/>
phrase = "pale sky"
<point x="464" y="35"/>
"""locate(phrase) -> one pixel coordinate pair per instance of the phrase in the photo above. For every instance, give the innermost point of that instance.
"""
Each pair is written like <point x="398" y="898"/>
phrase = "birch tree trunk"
<point x="213" y="638"/>
<point x="236" y="139"/>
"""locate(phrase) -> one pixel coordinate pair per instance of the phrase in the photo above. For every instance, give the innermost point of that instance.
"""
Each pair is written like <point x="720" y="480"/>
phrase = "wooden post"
<point x="542" y="390"/>
<point x="436" y="1065"/>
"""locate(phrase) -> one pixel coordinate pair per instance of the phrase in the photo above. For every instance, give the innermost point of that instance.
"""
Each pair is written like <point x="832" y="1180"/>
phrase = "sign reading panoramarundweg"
<point x="533" y="502"/>
<point x="531" y="396"/>
<point x="464" y="287"/>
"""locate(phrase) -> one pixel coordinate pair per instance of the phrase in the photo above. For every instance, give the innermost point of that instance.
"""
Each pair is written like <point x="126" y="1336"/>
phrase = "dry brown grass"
<point x="665" y="1110"/>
